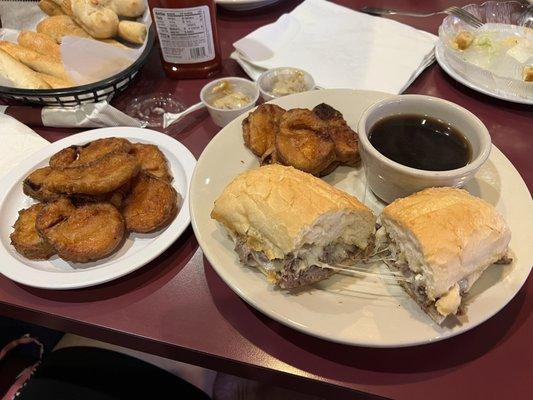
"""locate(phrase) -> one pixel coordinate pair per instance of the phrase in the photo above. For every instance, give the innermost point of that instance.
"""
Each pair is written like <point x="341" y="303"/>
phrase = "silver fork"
<point x="458" y="12"/>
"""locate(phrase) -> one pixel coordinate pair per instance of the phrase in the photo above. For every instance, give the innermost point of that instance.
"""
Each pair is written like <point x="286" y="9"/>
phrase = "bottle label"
<point x="185" y="34"/>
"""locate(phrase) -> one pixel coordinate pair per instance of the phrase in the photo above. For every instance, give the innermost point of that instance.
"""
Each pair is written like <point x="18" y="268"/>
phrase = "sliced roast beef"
<point x="299" y="270"/>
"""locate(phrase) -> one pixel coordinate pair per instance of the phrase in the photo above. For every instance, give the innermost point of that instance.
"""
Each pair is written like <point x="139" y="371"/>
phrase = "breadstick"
<point x="21" y="76"/>
<point x="50" y="8"/>
<point x="60" y="25"/>
<point x="54" y="81"/>
<point x="115" y="43"/>
<point x="131" y="31"/>
<point x="41" y="43"/>
<point x="34" y="60"/>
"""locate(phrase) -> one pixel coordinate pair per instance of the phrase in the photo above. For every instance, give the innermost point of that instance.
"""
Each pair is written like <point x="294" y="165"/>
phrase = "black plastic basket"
<point x="91" y="93"/>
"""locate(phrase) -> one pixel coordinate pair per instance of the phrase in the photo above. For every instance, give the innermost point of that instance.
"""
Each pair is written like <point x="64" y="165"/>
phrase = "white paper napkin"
<point x="18" y="142"/>
<point x="339" y="47"/>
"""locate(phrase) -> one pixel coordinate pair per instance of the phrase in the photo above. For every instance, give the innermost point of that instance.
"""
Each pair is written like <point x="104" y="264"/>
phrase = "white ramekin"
<point x="220" y="116"/>
<point x="266" y="80"/>
<point x="389" y="179"/>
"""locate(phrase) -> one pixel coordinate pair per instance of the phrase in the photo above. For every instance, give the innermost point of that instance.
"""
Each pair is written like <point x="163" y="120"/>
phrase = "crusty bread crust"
<point x="451" y="234"/>
<point x="41" y="43"/>
<point x="55" y="82"/>
<point x="278" y="209"/>
<point x="132" y="31"/>
<point x="34" y="60"/>
<point x="128" y="8"/>
<point x="19" y="74"/>
<point x="50" y="8"/>
<point x="60" y="25"/>
<point x="98" y="20"/>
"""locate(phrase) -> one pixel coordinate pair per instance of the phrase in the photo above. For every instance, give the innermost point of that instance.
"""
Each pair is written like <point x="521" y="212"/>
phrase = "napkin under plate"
<point x="339" y="47"/>
<point x="18" y="143"/>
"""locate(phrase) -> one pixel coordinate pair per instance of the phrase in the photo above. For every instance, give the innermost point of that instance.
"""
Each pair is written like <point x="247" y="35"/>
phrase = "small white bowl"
<point x="390" y="180"/>
<point x="221" y="116"/>
<point x="267" y="79"/>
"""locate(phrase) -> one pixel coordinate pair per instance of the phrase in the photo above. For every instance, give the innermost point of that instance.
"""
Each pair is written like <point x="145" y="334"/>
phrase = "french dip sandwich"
<point x="441" y="241"/>
<point x="292" y="225"/>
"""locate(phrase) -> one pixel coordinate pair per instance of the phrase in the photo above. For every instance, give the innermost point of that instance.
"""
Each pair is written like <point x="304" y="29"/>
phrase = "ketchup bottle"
<point x="188" y="37"/>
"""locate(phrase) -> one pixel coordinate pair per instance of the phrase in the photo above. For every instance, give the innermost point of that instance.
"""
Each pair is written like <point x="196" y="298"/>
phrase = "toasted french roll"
<point x="440" y="241"/>
<point x="292" y="226"/>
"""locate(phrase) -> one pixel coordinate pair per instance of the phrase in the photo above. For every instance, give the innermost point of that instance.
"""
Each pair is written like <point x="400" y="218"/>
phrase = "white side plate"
<point x="138" y="249"/>
<point x="440" y="55"/>
<point x="359" y="311"/>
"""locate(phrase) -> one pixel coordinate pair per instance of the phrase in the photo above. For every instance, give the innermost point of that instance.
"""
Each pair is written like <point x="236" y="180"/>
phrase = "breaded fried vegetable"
<point x="25" y="237"/>
<point x="260" y="128"/>
<point x="33" y="185"/>
<point x="151" y="204"/>
<point x="304" y="142"/>
<point x="75" y="156"/>
<point x="345" y="139"/>
<point x="81" y="234"/>
<point x="152" y="160"/>
<point x="103" y="175"/>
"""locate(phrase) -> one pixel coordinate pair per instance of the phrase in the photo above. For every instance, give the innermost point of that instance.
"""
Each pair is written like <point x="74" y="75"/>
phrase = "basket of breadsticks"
<point x="69" y="52"/>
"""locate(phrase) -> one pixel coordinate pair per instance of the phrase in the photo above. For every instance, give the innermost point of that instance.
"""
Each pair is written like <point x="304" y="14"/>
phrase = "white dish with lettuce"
<point x="496" y="59"/>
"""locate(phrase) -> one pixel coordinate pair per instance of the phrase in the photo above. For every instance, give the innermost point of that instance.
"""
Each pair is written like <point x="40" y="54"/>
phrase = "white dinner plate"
<point x="357" y="311"/>
<point x="440" y="55"/>
<point x="138" y="249"/>
<point x="244" y="5"/>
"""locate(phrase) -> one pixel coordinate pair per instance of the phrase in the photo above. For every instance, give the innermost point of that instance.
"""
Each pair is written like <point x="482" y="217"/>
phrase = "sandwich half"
<point x="441" y="240"/>
<point x="292" y="226"/>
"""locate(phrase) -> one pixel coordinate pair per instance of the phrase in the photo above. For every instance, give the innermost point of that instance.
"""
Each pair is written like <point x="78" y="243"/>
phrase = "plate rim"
<point x="441" y="60"/>
<point x="83" y="279"/>
<point x="496" y="153"/>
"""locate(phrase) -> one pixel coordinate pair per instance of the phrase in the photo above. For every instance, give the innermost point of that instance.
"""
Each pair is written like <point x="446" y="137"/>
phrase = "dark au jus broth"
<point x="421" y="142"/>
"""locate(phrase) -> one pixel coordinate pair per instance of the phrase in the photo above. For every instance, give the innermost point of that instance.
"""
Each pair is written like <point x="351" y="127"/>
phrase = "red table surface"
<point x="178" y="307"/>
